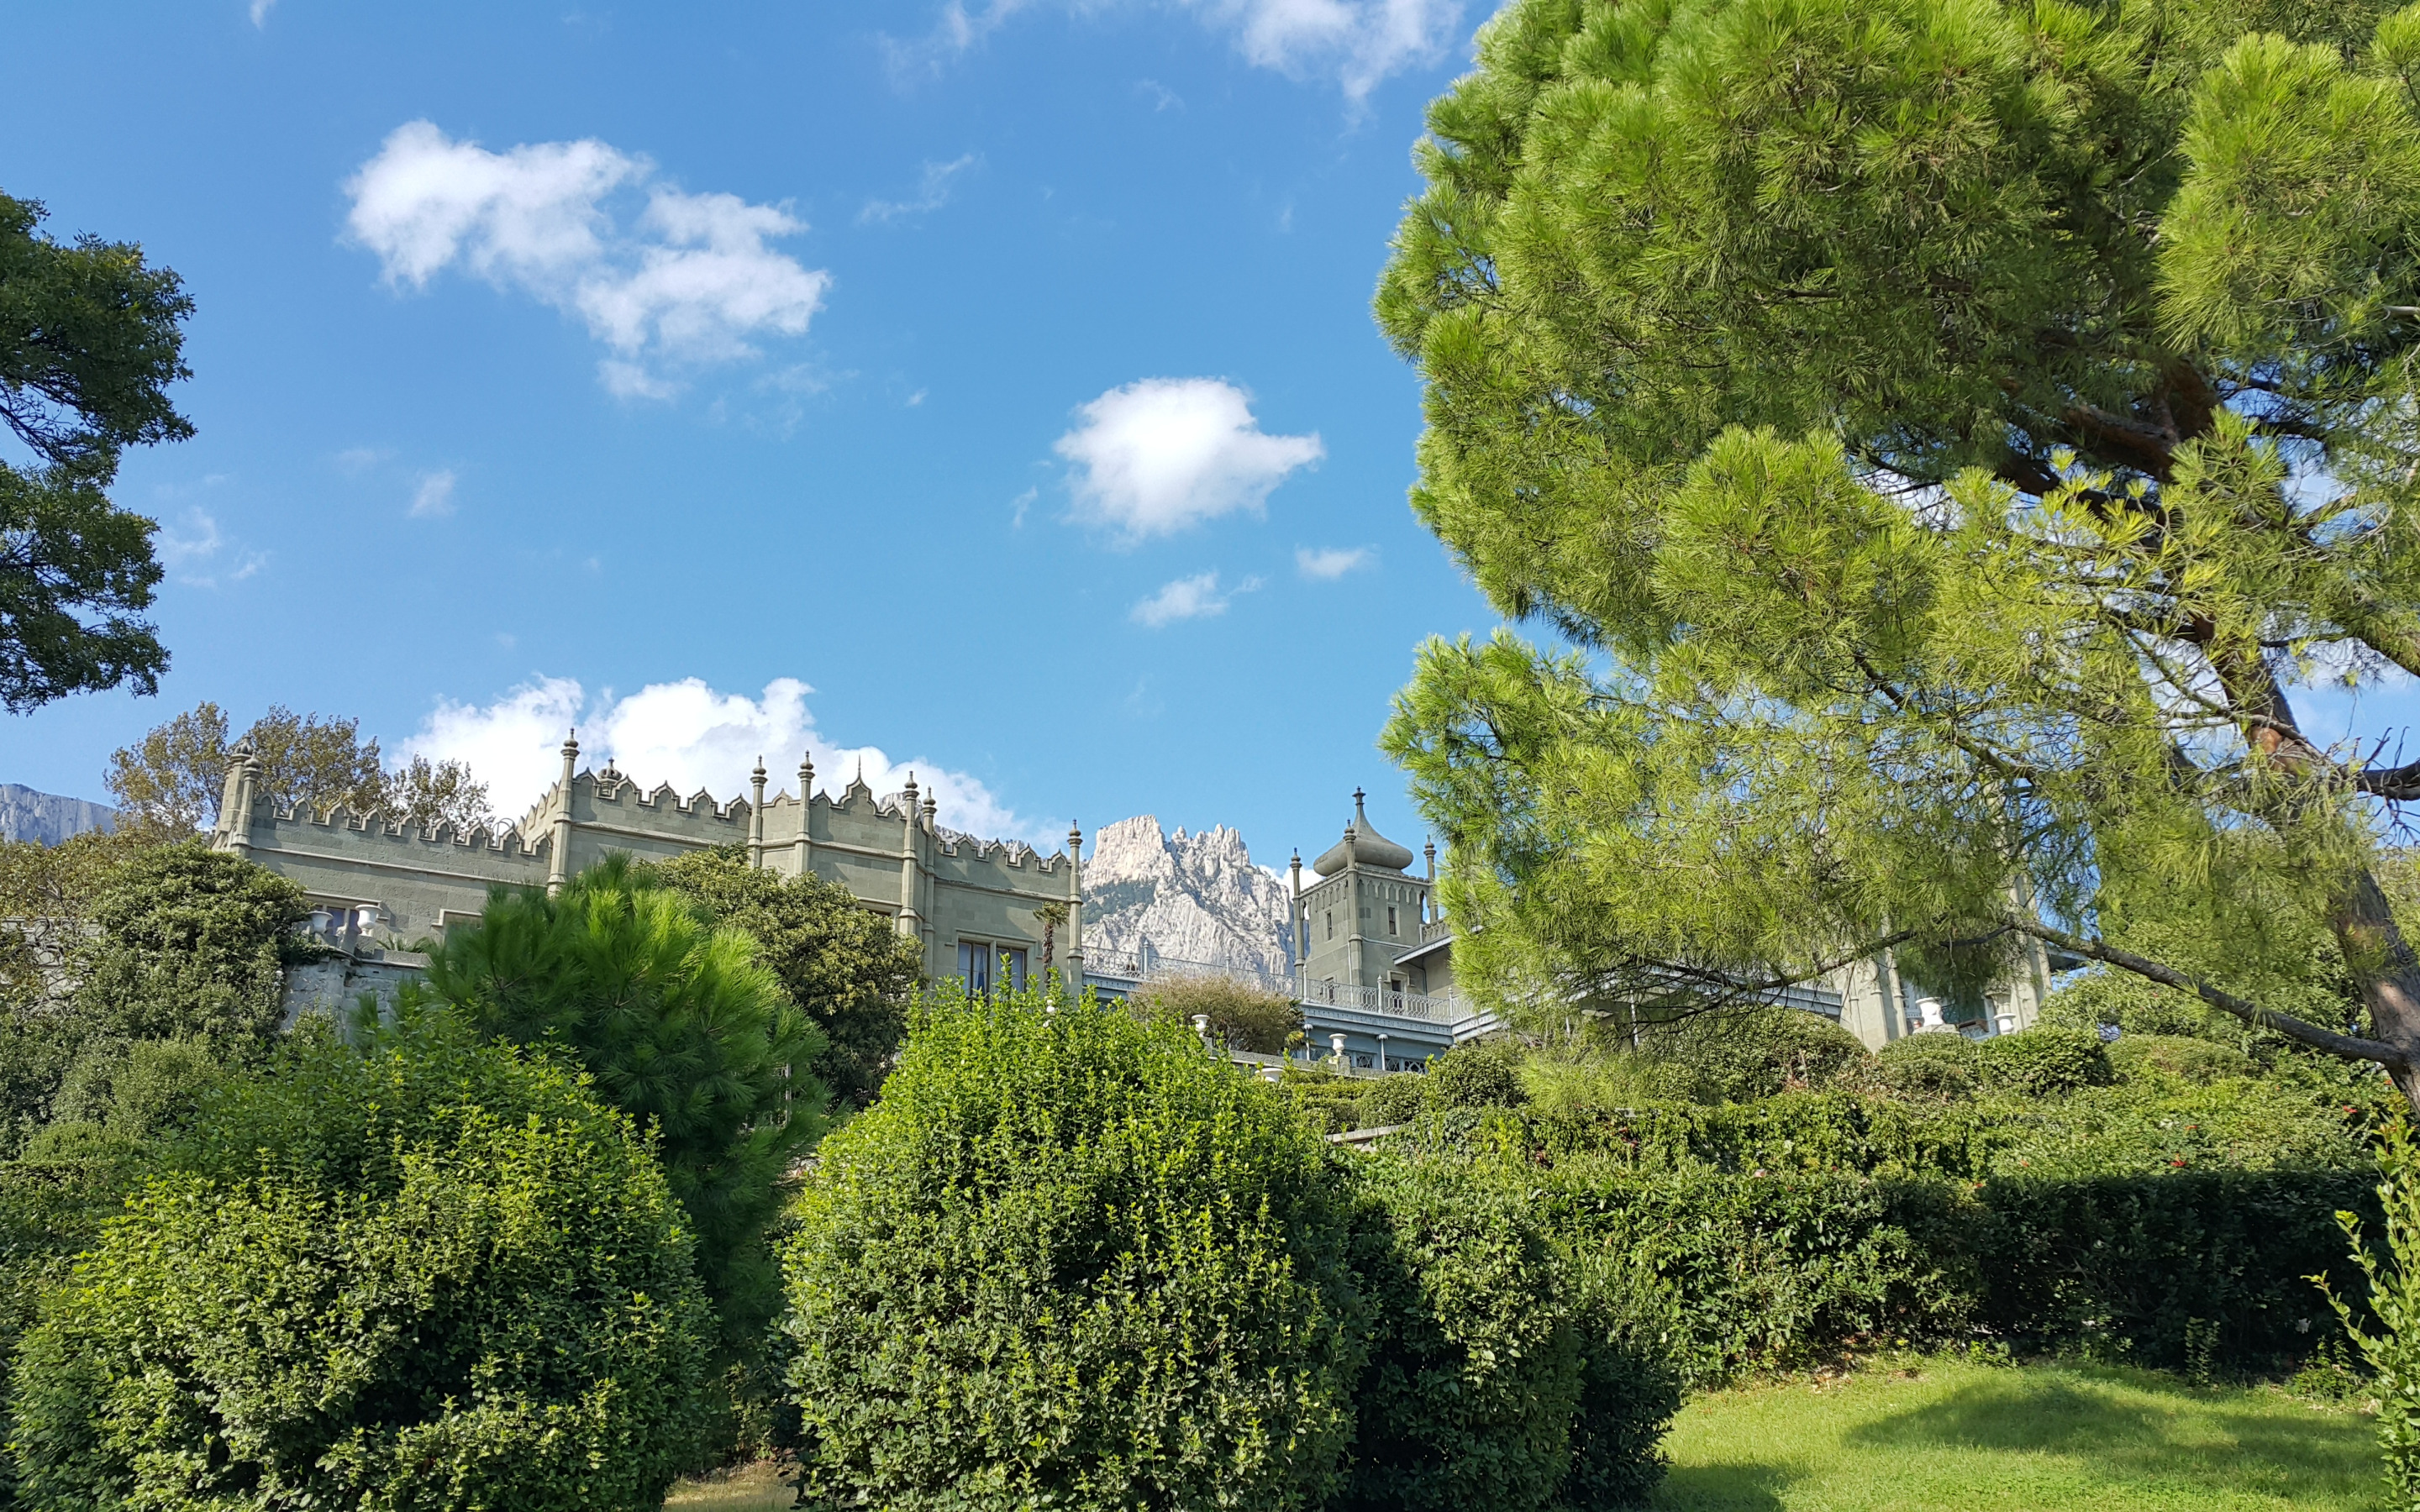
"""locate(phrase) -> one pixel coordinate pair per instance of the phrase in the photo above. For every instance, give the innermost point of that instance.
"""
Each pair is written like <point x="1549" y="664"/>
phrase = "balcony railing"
<point x="1148" y="965"/>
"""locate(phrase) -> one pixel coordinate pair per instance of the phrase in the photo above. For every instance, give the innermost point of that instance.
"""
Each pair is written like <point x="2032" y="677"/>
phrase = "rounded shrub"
<point x="1737" y="1057"/>
<point x="1483" y="1075"/>
<point x="1070" y="1259"/>
<point x="1933" y="1068"/>
<point x="2045" y="1061"/>
<point x="433" y="1275"/>
<point x="1392" y="1100"/>
<point x="2173" y="1054"/>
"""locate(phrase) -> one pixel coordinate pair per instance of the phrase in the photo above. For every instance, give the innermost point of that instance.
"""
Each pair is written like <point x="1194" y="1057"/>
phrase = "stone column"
<point x="1074" y="973"/>
<point x="804" y="844"/>
<point x="558" y="866"/>
<point x="910" y="924"/>
<point x="756" y="817"/>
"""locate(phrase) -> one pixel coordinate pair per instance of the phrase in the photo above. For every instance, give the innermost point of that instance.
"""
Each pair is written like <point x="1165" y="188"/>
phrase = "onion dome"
<point x="1362" y="846"/>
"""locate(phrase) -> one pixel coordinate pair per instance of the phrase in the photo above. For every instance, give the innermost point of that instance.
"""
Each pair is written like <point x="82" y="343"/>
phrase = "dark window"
<point x="1332" y="923"/>
<point x="1391" y="918"/>
<point x="980" y="963"/>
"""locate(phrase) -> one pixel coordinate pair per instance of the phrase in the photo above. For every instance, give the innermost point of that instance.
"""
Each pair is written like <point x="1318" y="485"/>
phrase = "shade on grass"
<point x="1969" y="1437"/>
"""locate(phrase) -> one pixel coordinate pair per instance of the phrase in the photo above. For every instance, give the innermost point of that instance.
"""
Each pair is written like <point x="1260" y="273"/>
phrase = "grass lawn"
<point x="1950" y="1436"/>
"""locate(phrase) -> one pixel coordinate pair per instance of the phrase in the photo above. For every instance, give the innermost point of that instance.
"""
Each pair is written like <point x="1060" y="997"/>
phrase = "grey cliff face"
<point x="46" y="818"/>
<point x="1196" y="897"/>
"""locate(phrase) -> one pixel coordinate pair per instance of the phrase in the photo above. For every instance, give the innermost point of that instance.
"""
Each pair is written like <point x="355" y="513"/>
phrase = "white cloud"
<point x="693" y="737"/>
<point x="355" y="460"/>
<point x="932" y="191"/>
<point x="192" y="552"/>
<point x="260" y="9"/>
<point x="434" y="497"/>
<point x="691" y="280"/>
<point x="1161" y="454"/>
<point x="1188" y="598"/>
<point x="1359" y="43"/>
<point x="1328" y="562"/>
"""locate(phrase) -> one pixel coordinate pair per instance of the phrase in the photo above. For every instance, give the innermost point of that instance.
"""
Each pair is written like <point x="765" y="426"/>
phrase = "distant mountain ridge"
<point x="1195" y="896"/>
<point x="46" y="818"/>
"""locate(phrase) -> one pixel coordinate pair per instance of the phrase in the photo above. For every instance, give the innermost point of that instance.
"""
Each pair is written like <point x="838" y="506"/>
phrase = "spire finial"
<point x="1358" y="816"/>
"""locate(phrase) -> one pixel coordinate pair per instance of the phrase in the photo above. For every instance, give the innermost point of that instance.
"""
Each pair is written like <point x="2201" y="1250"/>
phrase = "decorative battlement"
<point x="952" y="891"/>
<point x="505" y="842"/>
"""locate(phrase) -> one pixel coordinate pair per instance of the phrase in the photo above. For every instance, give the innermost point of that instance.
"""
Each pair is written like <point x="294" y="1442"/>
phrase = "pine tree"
<point x="1943" y="439"/>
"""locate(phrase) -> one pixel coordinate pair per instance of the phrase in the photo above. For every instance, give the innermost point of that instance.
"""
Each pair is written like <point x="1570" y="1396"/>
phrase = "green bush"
<point x="190" y="943"/>
<point x="1242" y="1016"/>
<point x="1494" y="1377"/>
<point x="1070" y="1259"/>
<point x="1933" y="1067"/>
<point x="2185" y="1058"/>
<point x="431" y="1277"/>
<point x="1392" y="1100"/>
<point x="2393" y="1301"/>
<point x="2045" y="1061"/>
<point x="1481" y="1074"/>
<point x="683" y="1029"/>
<point x="1735" y="1057"/>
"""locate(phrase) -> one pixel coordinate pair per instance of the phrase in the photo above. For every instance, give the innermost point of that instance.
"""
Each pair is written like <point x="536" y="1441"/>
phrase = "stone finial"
<point x="1074" y="840"/>
<point x="1357" y="814"/>
<point x="806" y="776"/>
<point x="930" y="809"/>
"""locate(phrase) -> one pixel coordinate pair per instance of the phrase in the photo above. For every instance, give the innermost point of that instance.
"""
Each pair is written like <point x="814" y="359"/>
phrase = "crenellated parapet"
<point x="953" y="891"/>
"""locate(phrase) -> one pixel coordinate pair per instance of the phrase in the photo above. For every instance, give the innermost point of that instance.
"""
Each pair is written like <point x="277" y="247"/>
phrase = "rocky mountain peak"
<point x="1195" y="896"/>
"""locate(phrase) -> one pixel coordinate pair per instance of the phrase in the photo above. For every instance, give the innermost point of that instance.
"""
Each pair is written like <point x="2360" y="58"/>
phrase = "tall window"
<point x="980" y="963"/>
<point x="1332" y="923"/>
<point x="1391" y="918"/>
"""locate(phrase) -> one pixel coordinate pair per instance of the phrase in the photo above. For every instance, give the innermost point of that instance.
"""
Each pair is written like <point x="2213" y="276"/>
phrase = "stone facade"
<point x="965" y="900"/>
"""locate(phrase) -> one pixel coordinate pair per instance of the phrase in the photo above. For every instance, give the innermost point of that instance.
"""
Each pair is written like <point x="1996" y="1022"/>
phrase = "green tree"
<point x="172" y="778"/>
<point x="188" y="943"/>
<point x="1943" y="433"/>
<point x="1242" y="1016"/>
<point x="90" y="338"/>
<point x="851" y="971"/>
<point x="683" y="1029"/>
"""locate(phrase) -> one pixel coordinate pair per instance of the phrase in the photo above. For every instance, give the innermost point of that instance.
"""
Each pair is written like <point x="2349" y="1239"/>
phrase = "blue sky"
<point x="989" y="385"/>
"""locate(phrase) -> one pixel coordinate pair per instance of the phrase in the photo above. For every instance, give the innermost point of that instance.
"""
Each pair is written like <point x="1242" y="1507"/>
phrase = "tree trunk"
<point x="2388" y="973"/>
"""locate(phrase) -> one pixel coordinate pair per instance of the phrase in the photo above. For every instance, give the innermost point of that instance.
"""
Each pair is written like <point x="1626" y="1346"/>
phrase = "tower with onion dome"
<point x="1362" y="912"/>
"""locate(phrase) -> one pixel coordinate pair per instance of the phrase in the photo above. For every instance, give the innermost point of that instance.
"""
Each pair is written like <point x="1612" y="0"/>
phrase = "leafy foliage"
<point x="1480" y="1358"/>
<point x="2045" y="1061"/>
<point x="1474" y="1076"/>
<point x="90" y="338"/>
<point x="847" y="968"/>
<point x="172" y="778"/>
<point x="1242" y="1016"/>
<point x="2393" y="1352"/>
<point x="1743" y="1056"/>
<point x="187" y="942"/>
<point x="682" y="1027"/>
<point x="1070" y="1259"/>
<point x="1906" y="413"/>
<point x="434" y="1275"/>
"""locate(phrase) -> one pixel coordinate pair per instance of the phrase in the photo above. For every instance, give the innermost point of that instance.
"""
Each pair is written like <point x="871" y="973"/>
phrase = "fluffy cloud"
<point x="1188" y="598"/>
<point x="1157" y="456"/>
<point x="693" y="737"/>
<point x="434" y="497"/>
<point x="690" y="281"/>
<point x="1328" y="562"/>
<point x="1359" y="43"/>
